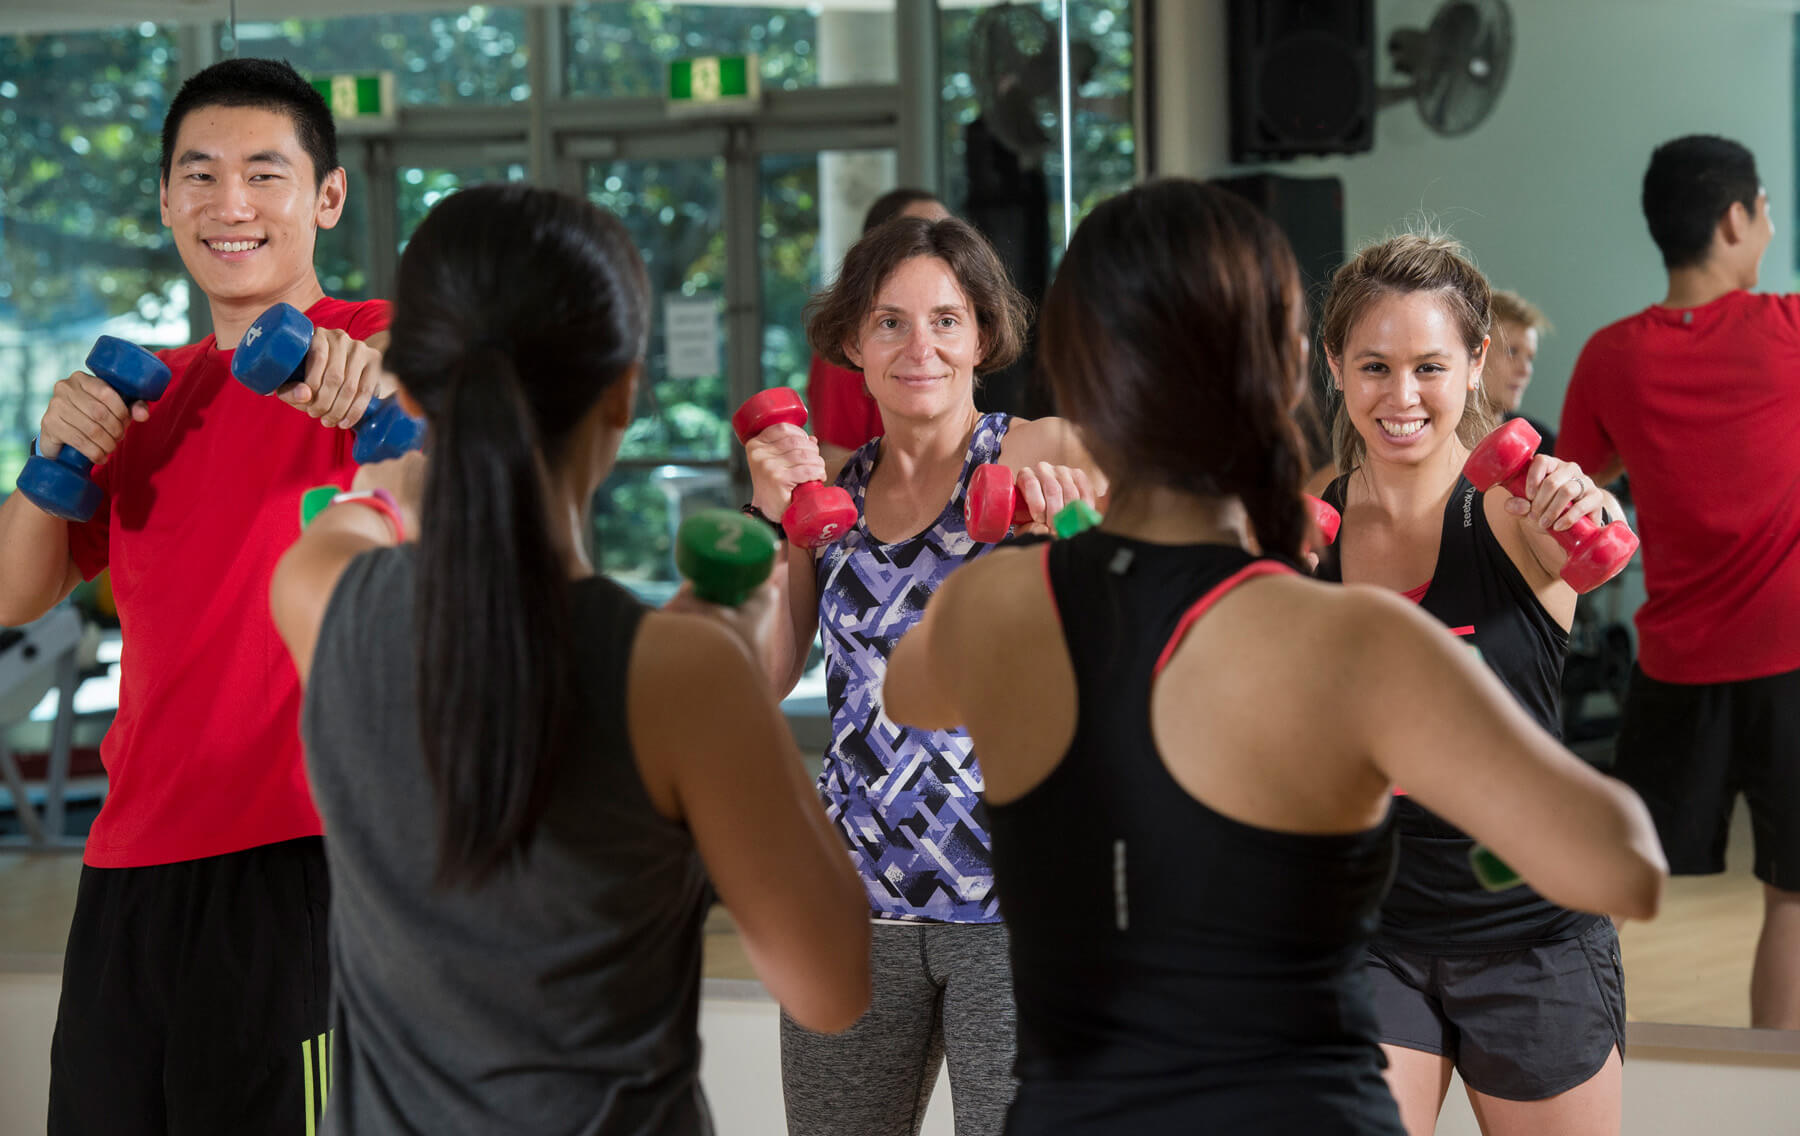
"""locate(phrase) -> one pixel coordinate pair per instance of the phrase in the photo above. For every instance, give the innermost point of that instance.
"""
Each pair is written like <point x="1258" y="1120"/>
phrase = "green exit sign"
<point x="358" y="100"/>
<point x="714" y="82"/>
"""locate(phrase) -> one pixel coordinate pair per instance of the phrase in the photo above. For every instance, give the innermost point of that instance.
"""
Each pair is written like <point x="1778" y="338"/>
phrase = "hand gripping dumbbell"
<point x="273" y="353"/>
<point x="817" y="514"/>
<point x="726" y="554"/>
<point x="993" y="504"/>
<point x="63" y="486"/>
<point x="1596" y="554"/>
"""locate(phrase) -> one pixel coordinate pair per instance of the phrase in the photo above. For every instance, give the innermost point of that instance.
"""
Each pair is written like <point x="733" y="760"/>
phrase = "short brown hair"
<point x="1510" y="307"/>
<point x="1411" y="262"/>
<point x="834" y="316"/>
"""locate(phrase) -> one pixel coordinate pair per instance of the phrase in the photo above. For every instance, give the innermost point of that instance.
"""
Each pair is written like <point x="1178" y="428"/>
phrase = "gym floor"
<point x="1691" y="966"/>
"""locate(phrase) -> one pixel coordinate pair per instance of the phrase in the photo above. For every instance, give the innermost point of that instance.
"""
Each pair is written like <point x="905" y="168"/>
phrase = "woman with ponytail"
<point x="522" y="809"/>
<point x="1518" y="989"/>
<point x="1188" y="774"/>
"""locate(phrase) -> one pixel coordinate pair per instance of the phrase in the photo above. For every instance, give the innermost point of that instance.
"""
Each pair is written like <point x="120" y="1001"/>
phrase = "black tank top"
<point x="1173" y="967"/>
<point x="1477" y="592"/>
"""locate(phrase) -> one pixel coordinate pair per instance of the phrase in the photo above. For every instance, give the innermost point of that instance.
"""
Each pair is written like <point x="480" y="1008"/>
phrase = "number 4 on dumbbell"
<point x="273" y="354"/>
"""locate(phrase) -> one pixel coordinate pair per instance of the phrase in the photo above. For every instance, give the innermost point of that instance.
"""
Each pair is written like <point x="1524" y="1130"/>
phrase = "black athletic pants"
<point x="195" y="998"/>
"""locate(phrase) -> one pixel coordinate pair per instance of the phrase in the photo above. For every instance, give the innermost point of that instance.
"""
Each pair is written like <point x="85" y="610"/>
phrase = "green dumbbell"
<point x="314" y="501"/>
<point x="1076" y="517"/>
<point x="1491" y="871"/>
<point x="726" y="554"/>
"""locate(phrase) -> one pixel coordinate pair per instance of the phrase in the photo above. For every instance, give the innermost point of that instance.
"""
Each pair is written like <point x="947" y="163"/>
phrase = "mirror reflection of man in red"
<point x="1696" y="397"/>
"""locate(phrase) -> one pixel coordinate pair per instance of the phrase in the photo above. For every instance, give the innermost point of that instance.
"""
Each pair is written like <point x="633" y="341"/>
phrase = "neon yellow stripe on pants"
<point x="306" y="1072"/>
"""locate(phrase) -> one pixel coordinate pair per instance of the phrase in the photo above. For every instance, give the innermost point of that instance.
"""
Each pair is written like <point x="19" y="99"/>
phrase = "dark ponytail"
<point x="1172" y="337"/>
<point x="517" y="308"/>
<point x="492" y="630"/>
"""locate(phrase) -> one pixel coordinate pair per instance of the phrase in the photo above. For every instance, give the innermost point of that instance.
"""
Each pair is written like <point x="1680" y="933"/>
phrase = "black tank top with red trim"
<point x="1477" y="592"/>
<point x="1176" y="970"/>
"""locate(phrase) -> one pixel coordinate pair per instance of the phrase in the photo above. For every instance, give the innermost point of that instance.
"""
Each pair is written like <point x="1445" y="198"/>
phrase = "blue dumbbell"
<point x="63" y="486"/>
<point x="273" y="352"/>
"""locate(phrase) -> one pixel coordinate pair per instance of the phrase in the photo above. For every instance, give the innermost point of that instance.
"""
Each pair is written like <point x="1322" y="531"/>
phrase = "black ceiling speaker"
<point x="1302" y="77"/>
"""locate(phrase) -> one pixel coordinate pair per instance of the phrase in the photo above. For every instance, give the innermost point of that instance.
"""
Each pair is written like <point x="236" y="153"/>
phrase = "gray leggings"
<point x="941" y="990"/>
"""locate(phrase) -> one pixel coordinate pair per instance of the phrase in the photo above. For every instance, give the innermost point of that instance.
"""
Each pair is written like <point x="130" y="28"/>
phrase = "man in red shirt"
<point x="195" y="984"/>
<point x="1699" y="398"/>
<point x="843" y="415"/>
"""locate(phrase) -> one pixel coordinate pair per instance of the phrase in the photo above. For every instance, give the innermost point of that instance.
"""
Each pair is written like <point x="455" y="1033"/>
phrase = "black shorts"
<point x="1522" y="1024"/>
<point x="1689" y="750"/>
<point x="195" y="998"/>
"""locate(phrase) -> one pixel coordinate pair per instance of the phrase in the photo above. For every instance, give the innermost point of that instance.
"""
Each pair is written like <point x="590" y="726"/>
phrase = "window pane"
<point x="82" y="248"/>
<point x="623" y="49"/>
<point x="811" y="213"/>
<point x="636" y="513"/>
<point x="341" y="255"/>
<point x="475" y="54"/>
<point x="420" y="187"/>
<point x="674" y="212"/>
<point x="999" y="64"/>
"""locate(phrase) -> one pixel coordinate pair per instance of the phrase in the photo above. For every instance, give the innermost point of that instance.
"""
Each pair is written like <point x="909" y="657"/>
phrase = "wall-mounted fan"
<point x="1457" y="65"/>
<point x="1014" y="66"/>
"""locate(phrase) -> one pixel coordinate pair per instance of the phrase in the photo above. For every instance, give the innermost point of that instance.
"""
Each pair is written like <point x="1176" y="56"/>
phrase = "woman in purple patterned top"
<point x="920" y="308"/>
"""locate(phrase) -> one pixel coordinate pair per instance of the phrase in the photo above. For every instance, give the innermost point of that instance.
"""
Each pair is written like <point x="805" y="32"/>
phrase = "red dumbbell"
<point x="1324" y="517"/>
<point x="1595" y="554"/>
<point x="817" y="514"/>
<point x="993" y="504"/>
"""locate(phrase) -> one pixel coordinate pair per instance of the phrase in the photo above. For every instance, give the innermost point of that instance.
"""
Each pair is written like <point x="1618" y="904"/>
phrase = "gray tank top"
<point x="563" y="995"/>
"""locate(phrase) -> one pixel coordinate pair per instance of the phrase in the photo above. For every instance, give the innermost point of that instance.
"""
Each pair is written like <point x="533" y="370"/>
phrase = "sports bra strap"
<point x="1204" y="603"/>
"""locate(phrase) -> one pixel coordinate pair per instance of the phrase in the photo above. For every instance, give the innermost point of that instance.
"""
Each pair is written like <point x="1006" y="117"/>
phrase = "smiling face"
<point x="919" y="344"/>
<point x="1406" y="376"/>
<point x="243" y="204"/>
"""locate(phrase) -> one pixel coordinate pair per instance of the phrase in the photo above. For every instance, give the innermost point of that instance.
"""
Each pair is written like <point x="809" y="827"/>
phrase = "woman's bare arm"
<point x="1437" y="722"/>
<point x="716" y="754"/>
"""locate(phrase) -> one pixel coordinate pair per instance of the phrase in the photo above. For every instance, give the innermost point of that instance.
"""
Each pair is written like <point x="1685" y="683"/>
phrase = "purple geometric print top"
<point x="906" y="800"/>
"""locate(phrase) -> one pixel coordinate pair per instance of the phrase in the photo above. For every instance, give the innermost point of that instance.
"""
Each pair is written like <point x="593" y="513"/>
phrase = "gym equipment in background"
<point x="35" y="659"/>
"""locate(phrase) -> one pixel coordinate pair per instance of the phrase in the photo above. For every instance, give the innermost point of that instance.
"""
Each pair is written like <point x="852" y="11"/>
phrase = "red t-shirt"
<point x="204" y="757"/>
<point x="842" y="411"/>
<point x="1703" y="407"/>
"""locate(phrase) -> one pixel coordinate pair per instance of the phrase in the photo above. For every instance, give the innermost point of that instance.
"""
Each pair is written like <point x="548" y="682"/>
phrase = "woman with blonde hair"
<point x="1520" y="994"/>
<point x="1518" y="325"/>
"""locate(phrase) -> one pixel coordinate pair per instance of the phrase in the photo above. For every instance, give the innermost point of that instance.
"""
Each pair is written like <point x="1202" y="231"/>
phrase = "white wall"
<point x="1545" y="191"/>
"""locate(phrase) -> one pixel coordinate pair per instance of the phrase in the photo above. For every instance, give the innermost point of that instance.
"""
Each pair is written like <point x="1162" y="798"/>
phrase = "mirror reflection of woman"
<point x="1190" y="747"/>
<point x="1522" y="996"/>
<point x="920" y="307"/>
<point x="1517" y="328"/>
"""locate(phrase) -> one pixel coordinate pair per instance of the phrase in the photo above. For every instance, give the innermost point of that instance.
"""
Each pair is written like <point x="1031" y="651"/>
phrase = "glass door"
<point x="677" y="453"/>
